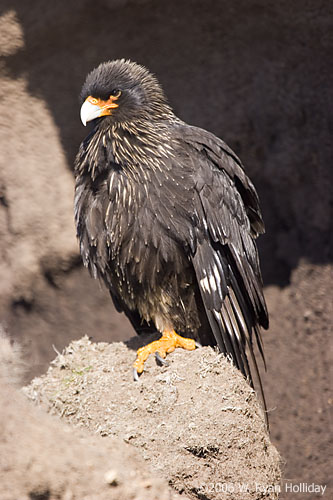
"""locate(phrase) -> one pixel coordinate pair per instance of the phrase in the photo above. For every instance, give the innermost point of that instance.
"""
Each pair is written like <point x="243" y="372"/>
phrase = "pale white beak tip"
<point x="89" y="112"/>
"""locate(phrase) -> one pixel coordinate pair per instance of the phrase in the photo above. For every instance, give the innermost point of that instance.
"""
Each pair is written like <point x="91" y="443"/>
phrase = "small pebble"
<point x="111" y="477"/>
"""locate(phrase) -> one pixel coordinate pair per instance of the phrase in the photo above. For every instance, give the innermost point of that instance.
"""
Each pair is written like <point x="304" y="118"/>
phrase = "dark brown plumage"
<point x="166" y="216"/>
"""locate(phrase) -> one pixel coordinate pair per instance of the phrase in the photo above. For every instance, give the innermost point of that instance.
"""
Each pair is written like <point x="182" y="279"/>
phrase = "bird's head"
<point x="122" y="91"/>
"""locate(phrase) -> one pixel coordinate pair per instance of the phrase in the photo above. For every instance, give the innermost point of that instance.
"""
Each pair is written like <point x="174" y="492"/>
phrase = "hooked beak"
<point x="95" y="108"/>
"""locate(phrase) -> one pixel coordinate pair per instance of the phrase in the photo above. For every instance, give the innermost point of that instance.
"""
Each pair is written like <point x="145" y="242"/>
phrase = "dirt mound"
<point x="42" y="458"/>
<point x="196" y="422"/>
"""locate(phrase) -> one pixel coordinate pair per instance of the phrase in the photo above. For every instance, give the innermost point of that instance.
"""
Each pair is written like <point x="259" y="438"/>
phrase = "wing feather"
<point x="226" y="259"/>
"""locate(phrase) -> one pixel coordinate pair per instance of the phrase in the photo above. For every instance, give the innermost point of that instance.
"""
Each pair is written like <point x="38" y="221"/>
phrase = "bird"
<point x="167" y="219"/>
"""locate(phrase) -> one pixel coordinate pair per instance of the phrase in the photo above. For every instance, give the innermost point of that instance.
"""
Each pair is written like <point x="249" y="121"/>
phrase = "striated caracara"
<point x="167" y="219"/>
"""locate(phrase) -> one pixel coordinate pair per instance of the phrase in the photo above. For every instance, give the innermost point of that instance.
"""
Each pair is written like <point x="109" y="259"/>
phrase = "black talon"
<point x="160" y="361"/>
<point x="197" y="344"/>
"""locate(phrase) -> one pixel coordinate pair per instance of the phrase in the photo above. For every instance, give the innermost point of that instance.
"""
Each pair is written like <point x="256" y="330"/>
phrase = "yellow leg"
<point x="167" y="343"/>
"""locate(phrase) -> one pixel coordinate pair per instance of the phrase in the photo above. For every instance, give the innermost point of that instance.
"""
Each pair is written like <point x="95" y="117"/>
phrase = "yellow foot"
<point x="167" y="343"/>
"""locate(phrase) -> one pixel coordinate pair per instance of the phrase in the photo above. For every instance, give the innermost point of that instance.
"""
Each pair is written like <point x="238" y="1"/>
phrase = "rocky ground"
<point x="42" y="458"/>
<point x="194" y="425"/>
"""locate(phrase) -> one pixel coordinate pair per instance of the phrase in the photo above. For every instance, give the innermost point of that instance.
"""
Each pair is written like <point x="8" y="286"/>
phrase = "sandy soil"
<point x="196" y="422"/>
<point x="42" y="458"/>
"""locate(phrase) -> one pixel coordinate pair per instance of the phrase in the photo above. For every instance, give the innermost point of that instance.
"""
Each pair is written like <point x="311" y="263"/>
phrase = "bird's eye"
<point x="115" y="93"/>
<point x="93" y="100"/>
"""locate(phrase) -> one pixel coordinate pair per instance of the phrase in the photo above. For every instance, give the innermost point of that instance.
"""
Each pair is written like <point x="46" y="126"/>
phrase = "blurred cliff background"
<point x="257" y="73"/>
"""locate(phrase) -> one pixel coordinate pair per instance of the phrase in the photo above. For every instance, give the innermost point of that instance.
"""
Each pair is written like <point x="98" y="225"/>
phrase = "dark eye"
<point x="115" y="93"/>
